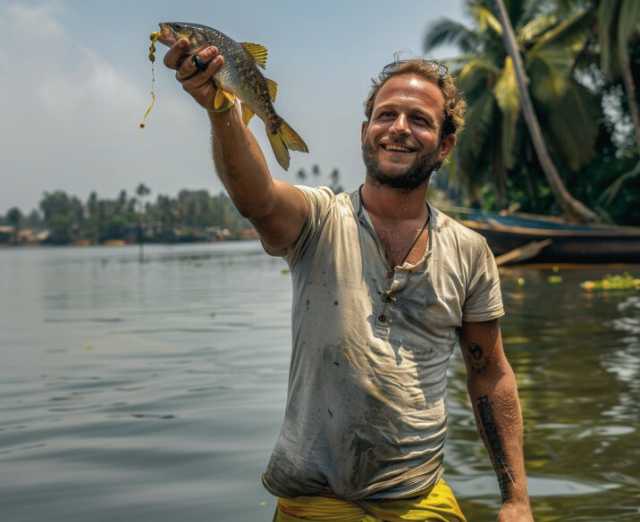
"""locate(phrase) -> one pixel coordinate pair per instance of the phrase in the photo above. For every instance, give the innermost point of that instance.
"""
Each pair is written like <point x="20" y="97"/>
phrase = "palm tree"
<point x="142" y="191"/>
<point x="495" y="139"/>
<point x="301" y="175"/>
<point x="573" y="208"/>
<point x="618" y="24"/>
<point x="14" y="218"/>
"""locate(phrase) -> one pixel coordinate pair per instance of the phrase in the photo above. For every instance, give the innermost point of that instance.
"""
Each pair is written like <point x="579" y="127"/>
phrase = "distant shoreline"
<point x="119" y="244"/>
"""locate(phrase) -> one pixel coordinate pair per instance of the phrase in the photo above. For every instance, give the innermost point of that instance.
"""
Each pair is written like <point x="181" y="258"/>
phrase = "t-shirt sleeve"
<point x="320" y="201"/>
<point x="483" y="298"/>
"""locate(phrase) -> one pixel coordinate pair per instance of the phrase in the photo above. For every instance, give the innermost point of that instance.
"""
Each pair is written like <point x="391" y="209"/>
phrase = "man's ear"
<point x="363" y="130"/>
<point x="446" y="146"/>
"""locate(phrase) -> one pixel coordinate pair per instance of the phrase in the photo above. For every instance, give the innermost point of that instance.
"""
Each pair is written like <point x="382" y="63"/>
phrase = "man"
<point x="384" y="288"/>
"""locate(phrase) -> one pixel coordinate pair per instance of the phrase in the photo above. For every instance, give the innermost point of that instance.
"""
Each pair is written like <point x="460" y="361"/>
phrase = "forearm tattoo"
<point x="488" y="424"/>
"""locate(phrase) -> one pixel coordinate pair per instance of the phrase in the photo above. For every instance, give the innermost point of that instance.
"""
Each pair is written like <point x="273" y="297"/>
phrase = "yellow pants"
<point x="437" y="505"/>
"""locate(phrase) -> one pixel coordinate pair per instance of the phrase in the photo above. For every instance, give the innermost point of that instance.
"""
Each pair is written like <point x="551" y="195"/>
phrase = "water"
<point x="155" y="391"/>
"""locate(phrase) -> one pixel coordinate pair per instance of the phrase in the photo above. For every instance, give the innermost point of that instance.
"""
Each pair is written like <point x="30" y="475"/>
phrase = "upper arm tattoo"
<point x="476" y="357"/>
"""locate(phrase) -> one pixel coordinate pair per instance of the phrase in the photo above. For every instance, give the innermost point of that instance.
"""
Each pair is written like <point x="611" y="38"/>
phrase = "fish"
<point x="240" y="77"/>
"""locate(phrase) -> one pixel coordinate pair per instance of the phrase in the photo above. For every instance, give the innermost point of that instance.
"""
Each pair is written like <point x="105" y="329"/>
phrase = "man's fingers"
<point x="176" y="54"/>
<point x="198" y="62"/>
<point x="198" y="79"/>
<point x="196" y="76"/>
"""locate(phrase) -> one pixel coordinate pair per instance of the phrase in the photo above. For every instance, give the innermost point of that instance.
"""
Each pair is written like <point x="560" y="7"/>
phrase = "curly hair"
<point x="454" y="104"/>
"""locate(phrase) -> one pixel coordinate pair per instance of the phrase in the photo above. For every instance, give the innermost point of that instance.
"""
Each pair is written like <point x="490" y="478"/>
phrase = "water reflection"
<point x="578" y="381"/>
<point x="155" y="390"/>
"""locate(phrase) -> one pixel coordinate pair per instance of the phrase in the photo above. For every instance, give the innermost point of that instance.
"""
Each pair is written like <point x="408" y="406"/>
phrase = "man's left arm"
<point x="494" y="395"/>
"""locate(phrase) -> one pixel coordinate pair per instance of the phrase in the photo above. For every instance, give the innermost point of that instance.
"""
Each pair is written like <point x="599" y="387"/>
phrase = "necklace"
<point x="424" y="225"/>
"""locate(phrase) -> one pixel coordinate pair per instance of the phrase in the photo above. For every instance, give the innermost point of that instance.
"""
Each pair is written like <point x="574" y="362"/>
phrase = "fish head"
<point x="171" y="32"/>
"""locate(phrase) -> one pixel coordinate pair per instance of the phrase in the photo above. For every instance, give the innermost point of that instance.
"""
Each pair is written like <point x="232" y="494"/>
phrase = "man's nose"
<point x="400" y="125"/>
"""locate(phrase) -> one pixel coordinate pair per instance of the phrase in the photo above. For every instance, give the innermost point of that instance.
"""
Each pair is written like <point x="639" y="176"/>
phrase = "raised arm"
<point x="493" y="391"/>
<point x="277" y="210"/>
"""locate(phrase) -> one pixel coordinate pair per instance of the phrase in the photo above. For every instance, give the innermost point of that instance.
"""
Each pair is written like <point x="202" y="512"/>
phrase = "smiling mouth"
<point x="389" y="147"/>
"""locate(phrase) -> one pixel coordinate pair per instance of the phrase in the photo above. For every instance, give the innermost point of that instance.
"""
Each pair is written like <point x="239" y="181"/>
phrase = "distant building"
<point x="6" y="234"/>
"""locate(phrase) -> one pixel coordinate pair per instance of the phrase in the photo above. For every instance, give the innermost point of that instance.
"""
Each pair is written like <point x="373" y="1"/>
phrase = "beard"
<point x="417" y="174"/>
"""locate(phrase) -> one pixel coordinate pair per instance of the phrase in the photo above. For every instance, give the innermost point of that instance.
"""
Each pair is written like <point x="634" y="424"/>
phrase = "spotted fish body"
<point x="240" y="77"/>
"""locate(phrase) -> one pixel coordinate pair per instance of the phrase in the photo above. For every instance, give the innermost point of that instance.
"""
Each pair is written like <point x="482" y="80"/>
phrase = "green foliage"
<point x="14" y="217"/>
<point x="494" y="141"/>
<point x="191" y="216"/>
<point x="583" y="110"/>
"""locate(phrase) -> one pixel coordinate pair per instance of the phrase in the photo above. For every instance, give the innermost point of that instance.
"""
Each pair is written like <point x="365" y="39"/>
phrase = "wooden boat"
<point x="550" y="240"/>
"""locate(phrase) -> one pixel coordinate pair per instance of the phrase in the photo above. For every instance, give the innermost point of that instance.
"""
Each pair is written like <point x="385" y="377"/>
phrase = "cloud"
<point x="70" y="118"/>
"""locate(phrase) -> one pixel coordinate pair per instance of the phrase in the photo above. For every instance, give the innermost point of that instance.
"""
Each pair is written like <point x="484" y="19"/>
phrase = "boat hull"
<point x="568" y="245"/>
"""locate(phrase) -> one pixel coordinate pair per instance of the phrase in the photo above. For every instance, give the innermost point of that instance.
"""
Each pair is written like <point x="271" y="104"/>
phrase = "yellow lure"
<point x="152" y="58"/>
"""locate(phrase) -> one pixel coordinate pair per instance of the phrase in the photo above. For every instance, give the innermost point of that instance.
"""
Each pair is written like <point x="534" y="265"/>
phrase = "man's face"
<point x="401" y="143"/>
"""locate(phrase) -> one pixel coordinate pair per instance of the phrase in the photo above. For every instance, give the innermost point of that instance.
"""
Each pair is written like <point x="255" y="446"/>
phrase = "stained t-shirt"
<point x="365" y="414"/>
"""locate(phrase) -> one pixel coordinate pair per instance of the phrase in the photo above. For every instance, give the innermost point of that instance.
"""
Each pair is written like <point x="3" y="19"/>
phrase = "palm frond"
<point x="518" y="10"/>
<point x="608" y="35"/>
<point x="569" y="34"/>
<point x="550" y="71"/>
<point x="529" y="32"/>
<point x="486" y="20"/>
<point x="445" y="31"/>
<point x="507" y="97"/>
<point x="478" y="74"/>
<point x="479" y="121"/>
<point x="628" y="22"/>
<point x="573" y="121"/>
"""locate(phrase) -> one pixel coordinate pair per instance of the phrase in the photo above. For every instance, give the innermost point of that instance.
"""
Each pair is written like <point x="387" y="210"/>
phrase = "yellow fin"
<point x="258" y="52"/>
<point x="273" y="89"/>
<point x="223" y="98"/>
<point x="291" y="138"/>
<point x="247" y="113"/>
<point x="283" y="140"/>
<point x="279" y="149"/>
<point x="219" y="99"/>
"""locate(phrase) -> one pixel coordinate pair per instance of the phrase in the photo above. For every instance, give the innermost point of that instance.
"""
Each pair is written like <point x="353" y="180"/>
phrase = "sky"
<point x="75" y="81"/>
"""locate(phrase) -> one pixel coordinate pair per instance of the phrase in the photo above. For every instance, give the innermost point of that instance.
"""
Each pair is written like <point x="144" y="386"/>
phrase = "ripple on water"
<point x="155" y="391"/>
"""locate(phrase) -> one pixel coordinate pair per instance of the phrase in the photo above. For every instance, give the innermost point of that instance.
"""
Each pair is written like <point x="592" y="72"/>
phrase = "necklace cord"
<point x="424" y="225"/>
<point x="416" y="239"/>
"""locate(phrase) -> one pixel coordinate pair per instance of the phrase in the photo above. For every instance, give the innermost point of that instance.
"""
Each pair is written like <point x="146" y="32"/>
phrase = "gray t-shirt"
<point x="366" y="414"/>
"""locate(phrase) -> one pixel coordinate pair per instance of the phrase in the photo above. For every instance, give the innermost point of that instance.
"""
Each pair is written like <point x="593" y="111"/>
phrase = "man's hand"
<point x="198" y="84"/>
<point x="515" y="512"/>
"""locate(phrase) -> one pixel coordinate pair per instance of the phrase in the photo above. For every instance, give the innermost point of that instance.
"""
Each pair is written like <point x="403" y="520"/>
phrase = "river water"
<point x="154" y="391"/>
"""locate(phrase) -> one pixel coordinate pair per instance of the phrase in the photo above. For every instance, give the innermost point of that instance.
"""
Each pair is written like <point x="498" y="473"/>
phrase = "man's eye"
<point x="386" y="115"/>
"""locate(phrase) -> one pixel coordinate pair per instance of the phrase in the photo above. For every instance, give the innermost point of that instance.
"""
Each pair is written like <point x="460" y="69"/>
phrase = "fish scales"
<point x="240" y="77"/>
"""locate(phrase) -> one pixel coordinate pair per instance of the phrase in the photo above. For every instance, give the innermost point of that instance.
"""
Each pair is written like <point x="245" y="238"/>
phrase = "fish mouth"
<point x="167" y="35"/>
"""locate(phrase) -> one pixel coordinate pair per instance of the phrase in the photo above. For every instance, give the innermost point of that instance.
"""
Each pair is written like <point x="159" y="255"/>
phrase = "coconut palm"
<point x="573" y="208"/>
<point x="496" y="140"/>
<point x="14" y="218"/>
<point x="618" y="25"/>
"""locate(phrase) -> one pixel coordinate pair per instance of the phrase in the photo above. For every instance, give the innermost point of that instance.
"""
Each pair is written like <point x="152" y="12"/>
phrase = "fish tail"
<point x="291" y="138"/>
<point x="283" y="139"/>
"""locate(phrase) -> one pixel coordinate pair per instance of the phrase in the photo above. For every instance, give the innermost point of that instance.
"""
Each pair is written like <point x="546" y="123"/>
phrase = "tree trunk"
<point x="630" y="88"/>
<point x="573" y="209"/>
